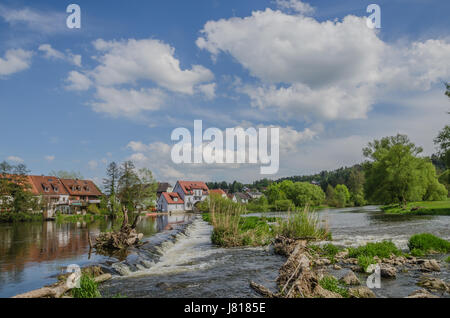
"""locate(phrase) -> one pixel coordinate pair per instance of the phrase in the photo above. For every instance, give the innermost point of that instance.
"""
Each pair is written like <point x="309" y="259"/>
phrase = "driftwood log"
<point x="59" y="289"/>
<point x="127" y="236"/>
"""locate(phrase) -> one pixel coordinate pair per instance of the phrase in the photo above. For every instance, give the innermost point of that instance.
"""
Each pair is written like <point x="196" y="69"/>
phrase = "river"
<point x="179" y="260"/>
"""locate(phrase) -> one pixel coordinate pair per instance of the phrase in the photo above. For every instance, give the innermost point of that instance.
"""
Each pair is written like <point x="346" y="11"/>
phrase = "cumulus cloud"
<point x="93" y="164"/>
<point x="127" y="102"/>
<point x="339" y="73"/>
<point x="132" y="62"/>
<point x="37" y="21"/>
<point x="51" y="53"/>
<point x="77" y="81"/>
<point x="296" y="6"/>
<point x="15" y="61"/>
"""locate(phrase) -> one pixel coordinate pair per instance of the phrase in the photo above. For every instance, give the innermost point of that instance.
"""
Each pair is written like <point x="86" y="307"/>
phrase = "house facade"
<point x="191" y="192"/>
<point x="170" y="202"/>
<point x="219" y="192"/>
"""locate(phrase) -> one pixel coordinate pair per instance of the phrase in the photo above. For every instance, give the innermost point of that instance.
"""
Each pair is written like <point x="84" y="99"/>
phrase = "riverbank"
<point x="420" y="208"/>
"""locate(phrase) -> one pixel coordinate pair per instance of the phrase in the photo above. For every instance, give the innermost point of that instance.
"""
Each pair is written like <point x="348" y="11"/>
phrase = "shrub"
<point x="381" y="249"/>
<point x="93" y="209"/>
<point x="447" y="259"/>
<point x="331" y="283"/>
<point x="88" y="288"/>
<point x="427" y="242"/>
<point x="302" y="225"/>
<point x="284" y="205"/>
<point x="364" y="261"/>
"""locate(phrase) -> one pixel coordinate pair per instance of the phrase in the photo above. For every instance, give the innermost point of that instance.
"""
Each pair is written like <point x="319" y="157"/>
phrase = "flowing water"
<point x="178" y="259"/>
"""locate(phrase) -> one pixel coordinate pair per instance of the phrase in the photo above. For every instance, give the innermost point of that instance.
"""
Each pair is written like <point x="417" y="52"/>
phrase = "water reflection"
<point x="33" y="254"/>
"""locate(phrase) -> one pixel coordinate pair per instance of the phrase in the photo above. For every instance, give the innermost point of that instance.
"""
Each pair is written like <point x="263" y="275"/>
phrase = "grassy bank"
<point x="426" y="243"/>
<point x="13" y="217"/>
<point x="231" y="228"/>
<point x="420" y="208"/>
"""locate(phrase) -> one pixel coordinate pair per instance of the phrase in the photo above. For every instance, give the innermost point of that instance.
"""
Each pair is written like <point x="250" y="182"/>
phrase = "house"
<point x="169" y="202"/>
<point x="242" y="197"/>
<point x="255" y="194"/>
<point x="218" y="192"/>
<point x="163" y="187"/>
<point x="191" y="192"/>
<point x="232" y="197"/>
<point x="52" y="190"/>
<point x="82" y="193"/>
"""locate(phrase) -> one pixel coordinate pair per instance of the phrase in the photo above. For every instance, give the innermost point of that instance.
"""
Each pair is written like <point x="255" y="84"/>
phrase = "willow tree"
<point x="396" y="174"/>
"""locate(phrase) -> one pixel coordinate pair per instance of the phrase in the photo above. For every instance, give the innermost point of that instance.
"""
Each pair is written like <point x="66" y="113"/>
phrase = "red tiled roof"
<point x="171" y="196"/>
<point x="217" y="191"/>
<point x="81" y="187"/>
<point x="188" y="186"/>
<point x="47" y="185"/>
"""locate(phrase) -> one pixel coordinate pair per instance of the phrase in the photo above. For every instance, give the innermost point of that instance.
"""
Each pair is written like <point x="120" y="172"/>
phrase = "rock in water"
<point x="430" y="265"/>
<point x="422" y="293"/>
<point x="350" y="279"/>
<point x="388" y="271"/>
<point x="434" y="283"/>
<point x="361" y="292"/>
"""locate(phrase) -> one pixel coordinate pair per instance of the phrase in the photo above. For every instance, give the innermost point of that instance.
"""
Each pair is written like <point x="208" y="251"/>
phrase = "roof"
<point x="171" y="196"/>
<point x="163" y="186"/>
<point x="242" y="196"/>
<point x="188" y="186"/>
<point x="81" y="187"/>
<point x="217" y="191"/>
<point x="47" y="185"/>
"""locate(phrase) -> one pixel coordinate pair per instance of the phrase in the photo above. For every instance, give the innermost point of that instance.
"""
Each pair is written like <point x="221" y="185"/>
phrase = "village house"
<point x="163" y="187"/>
<point x="242" y="197"/>
<point x="189" y="192"/>
<point x="52" y="190"/>
<point x="82" y="193"/>
<point x="219" y="192"/>
<point x="232" y="197"/>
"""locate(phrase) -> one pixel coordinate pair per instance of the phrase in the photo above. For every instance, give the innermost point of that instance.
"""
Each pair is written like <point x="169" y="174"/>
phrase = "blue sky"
<point x="329" y="82"/>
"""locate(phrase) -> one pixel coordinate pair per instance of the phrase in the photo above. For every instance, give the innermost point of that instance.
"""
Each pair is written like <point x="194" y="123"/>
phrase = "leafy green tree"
<point x="443" y="142"/>
<point x="342" y="195"/>
<point x="128" y="185"/>
<point x="304" y="193"/>
<point x="146" y="188"/>
<point x="274" y="193"/>
<point x="330" y="195"/>
<point x="395" y="173"/>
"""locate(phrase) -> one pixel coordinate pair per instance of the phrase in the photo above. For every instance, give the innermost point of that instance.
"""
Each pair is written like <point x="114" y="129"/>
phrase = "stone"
<point x="350" y="279"/>
<point x="361" y="292"/>
<point x="388" y="271"/>
<point x="321" y="292"/>
<point x="422" y="293"/>
<point x="430" y="265"/>
<point x="342" y="254"/>
<point x="433" y="283"/>
<point x="337" y="267"/>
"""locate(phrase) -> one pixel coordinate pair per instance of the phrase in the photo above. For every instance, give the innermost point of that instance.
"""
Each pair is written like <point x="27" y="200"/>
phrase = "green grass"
<point x="303" y="225"/>
<point x="17" y="217"/>
<point x="447" y="259"/>
<point x="332" y="284"/>
<point x="88" y="288"/>
<point x="420" y="208"/>
<point x="364" y="261"/>
<point x="427" y="243"/>
<point x="382" y="249"/>
<point x="328" y="250"/>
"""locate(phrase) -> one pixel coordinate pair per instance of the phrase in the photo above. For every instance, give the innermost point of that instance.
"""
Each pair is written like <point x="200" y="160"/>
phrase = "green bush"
<point x="88" y="288"/>
<point x="364" y="261"/>
<point x="12" y="217"/>
<point x="284" y="205"/>
<point x="93" y="209"/>
<point x="331" y="283"/>
<point x="381" y="249"/>
<point x="447" y="259"/>
<point x="427" y="243"/>
<point x="302" y="225"/>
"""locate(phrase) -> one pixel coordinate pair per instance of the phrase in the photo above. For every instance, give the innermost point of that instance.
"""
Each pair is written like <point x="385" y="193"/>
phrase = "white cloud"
<point x="15" y="159"/>
<point x="339" y="73"/>
<point x="49" y="158"/>
<point x="37" y="21"/>
<point x="51" y="53"/>
<point x="78" y="81"/>
<point x="15" y="61"/>
<point x="209" y="90"/>
<point x="296" y="6"/>
<point x="127" y="103"/>
<point x="126" y="62"/>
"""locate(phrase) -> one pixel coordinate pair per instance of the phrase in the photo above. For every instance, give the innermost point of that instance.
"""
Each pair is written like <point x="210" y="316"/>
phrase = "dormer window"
<point x="175" y="199"/>
<point x="55" y="188"/>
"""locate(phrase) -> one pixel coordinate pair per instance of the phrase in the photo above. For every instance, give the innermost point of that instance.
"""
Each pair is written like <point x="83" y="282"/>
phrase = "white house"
<point x="170" y="202"/>
<point x="191" y="192"/>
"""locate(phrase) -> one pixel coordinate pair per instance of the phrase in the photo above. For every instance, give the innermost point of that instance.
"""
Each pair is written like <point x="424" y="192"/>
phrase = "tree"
<point x="330" y="195"/>
<point x="146" y="189"/>
<point x="112" y="177"/>
<point x="304" y="193"/>
<point x="443" y="142"/>
<point x="342" y="195"/>
<point x="127" y="185"/>
<point x="395" y="173"/>
<point x="63" y="174"/>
